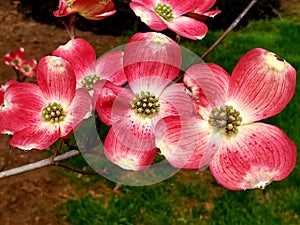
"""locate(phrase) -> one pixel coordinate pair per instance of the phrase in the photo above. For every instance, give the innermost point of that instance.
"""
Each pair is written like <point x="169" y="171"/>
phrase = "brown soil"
<point x="30" y="198"/>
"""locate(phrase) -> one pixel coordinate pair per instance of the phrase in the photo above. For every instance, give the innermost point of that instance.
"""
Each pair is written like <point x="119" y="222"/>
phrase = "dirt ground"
<point x="30" y="198"/>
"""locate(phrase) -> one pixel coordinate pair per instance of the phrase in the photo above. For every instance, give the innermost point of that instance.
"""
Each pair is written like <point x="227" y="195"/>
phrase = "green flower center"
<point x="53" y="113"/>
<point x="70" y="3"/>
<point x="26" y="68"/>
<point x="225" y="118"/>
<point x="164" y="10"/>
<point x="16" y="62"/>
<point x="89" y="81"/>
<point x="145" y="104"/>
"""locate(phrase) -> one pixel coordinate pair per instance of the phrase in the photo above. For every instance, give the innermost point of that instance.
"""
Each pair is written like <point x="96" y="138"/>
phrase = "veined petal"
<point x="256" y="156"/>
<point x="188" y="27"/>
<point x="79" y="109"/>
<point x="21" y="104"/>
<point x="182" y="7"/>
<point x="39" y="135"/>
<point x="211" y="13"/>
<point x="147" y="3"/>
<point x="126" y="157"/>
<point x="148" y="16"/>
<point x="104" y="96"/>
<point x="175" y="102"/>
<point x="151" y="54"/>
<point x="92" y="9"/>
<point x="56" y="79"/>
<point x="110" y="67"/>
<point x="204" y="6"/>
<point x="207" y="84"/>
<point x="186" y="142"/>
<point x="79" y="53"/>
<point x="261" y="85"/>
<point x="154" y="84"/>
<point x="132" y="129"/>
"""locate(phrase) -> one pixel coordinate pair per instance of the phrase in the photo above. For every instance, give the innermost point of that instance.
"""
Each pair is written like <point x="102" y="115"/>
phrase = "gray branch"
<point x="39" y="164"/>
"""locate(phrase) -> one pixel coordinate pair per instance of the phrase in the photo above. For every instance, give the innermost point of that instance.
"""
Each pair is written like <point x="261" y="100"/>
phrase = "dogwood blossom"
<point x="91" y="9"/>
<point x="17" y="60"/>
<point x="14" y="58"/>
<point x="88" y="70"/>
<point x="151" y="62"/>
<point x="241" y="152"/>
<point x="162" y="14"/>
<point x="27" y="67"/>
<point x="49" y="110"/>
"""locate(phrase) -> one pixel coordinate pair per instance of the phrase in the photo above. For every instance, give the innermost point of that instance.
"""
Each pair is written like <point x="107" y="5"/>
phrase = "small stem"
<point x="178" y="38"/>
<point x="20" y="78"/>
<point x="233" y="25"/>
<point x="70" y="25"/>
<point x="75" y="169"/>
<point x="59" y="145"/>
<point x="39" y="164"/>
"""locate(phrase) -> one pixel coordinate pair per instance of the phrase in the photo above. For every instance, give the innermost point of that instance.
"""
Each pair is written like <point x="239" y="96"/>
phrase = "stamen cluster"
<point x="89" y="81"/>
<point x="227" y="118"/>
<point x="145" y="104"/>
<point x="53" y="113"/>
<point x="164" y="10"/>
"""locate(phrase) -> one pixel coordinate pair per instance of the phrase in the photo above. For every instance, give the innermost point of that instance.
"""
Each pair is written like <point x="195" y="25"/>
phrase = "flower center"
<point x="145" y="104"/>
<point x="89" y="81"/>
<point x="164" y="10"/>
<point x="53" y="113"/>
<point x="16" y="62"/>
<point x="70" y="3"/>
<point x="225" y="118"/>
<point x="26" y="69"/>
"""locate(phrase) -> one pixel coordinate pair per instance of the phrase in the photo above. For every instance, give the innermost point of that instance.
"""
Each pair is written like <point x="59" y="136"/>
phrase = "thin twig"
<point x="233" y="25"/>
<point x="76" y="170"/>
<point x="39" y="164"/>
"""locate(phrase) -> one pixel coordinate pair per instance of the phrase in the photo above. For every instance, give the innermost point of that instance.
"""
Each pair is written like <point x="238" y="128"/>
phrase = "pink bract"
<point x="9" y="106"/>
<point x="49" y="110"/>
<point x="160" y="15"/>
<point x="241" y="153"/>
<point x="202" y="9"/>
<point x="151" y="62"/>
<point x="82" y="57"/>
<point x="91" y="9"/>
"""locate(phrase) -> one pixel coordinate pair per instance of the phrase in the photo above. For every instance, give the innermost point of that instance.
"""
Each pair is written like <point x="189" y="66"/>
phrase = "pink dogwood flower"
<point x="88" y="70"/>
<point x="91" y="9"/>
<point x="47" y="111"/>
<point x="27" y="67"/>
<point x="151" y="62"/>
<point x="162" y="14"/>
<point x="241" y="152"/>
<point x="14" y="58"/>
<point x="17" y="60"/>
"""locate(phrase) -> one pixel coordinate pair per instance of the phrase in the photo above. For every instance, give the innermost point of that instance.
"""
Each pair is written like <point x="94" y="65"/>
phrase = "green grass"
<point x="195" y="198"/>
